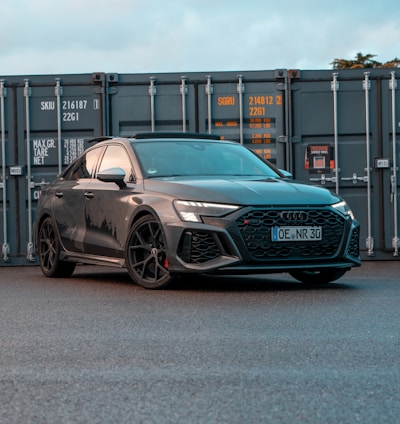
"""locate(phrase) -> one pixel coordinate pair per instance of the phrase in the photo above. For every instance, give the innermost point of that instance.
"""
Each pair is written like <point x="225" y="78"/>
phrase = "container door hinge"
<point x="98" y="77"/>
<point x="281" y="73"/>
<point x="112" y="77"/>
<point x="111" y="90"/>
<point x="284" y="139"/>
<point x="294" y="73"/>
<point x="281" y="86"/>
<point x="6" y="252"/>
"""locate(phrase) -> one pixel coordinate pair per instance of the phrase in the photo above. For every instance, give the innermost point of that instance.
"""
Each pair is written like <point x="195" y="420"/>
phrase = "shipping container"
<point x="338" y="129"/>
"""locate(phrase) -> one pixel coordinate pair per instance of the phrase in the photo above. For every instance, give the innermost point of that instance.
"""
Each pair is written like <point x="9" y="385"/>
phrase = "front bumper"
<point x="241" y="243"/>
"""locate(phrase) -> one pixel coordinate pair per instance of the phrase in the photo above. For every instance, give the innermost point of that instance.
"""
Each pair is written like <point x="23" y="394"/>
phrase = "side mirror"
<point x="286" y="174"/>
<point x="113" y="175"/>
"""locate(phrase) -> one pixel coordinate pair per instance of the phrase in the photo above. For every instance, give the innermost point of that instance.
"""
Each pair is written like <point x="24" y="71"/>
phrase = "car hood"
<point x="243" y="191"/>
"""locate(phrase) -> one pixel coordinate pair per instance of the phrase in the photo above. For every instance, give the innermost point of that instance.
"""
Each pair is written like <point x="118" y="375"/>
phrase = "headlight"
<point x="192" y="211"/>
<point x="344" y="208"/>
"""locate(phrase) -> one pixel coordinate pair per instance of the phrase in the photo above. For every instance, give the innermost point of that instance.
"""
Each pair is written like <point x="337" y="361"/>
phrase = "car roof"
<point x="152" y="136"/>
<point x="174" y="135"/>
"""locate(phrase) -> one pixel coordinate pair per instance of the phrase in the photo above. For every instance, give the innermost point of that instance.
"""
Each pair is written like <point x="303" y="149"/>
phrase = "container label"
<point x="45" y="150"/>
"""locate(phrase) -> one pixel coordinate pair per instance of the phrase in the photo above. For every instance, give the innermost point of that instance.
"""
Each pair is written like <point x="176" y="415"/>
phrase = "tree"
<point x="364" y="61"/>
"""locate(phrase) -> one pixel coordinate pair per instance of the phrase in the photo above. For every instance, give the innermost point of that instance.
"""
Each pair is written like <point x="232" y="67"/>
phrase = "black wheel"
<point x="146" y="258"/>
<point x="49" y="252"/>
<point x="323" y="276"/>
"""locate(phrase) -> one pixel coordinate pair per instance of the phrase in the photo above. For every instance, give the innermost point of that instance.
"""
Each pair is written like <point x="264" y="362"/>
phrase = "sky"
<point x="45" y="37"/>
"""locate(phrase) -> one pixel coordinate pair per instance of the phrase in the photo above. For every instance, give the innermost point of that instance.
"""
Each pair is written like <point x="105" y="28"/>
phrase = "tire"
<point x="323" y="276"/>
<point x="49" y="252"/>
<point x="146" y="258"/>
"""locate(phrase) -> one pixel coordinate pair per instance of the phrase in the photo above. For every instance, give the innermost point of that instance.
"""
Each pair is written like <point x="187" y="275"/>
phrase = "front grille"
<point x="198" y="247"/>
<point x="255" y="229"/>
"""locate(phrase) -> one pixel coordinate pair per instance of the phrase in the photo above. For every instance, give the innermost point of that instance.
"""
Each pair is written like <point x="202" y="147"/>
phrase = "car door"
<point x="70" y="201"/>
<point x="107" y="206"/>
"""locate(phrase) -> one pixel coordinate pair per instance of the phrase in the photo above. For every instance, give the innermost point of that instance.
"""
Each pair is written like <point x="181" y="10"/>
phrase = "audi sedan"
<point x="165" y="205"/>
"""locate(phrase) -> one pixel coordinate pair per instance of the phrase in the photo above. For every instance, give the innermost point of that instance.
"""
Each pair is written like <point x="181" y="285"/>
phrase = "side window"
<point x="84" y="167"/>
<point x="117" y="157"/>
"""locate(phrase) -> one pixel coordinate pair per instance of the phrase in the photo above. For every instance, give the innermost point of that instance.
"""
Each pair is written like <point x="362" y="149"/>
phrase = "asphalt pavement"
<point x="96" y="348"/>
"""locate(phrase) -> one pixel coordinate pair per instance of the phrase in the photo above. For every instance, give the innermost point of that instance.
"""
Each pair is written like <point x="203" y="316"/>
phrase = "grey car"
<point x="168" y="205"/>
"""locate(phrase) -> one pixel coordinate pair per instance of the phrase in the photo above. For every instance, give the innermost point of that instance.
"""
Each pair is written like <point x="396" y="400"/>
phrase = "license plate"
<point x="296" y="233"/>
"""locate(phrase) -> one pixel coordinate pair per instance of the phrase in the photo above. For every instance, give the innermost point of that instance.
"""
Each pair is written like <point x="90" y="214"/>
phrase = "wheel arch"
<point x="143" y="211"/>
<point x="38" y="224"/>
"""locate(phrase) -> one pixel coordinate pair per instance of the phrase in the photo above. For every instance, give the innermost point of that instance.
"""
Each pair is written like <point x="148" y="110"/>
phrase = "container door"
<point x="144" y="103"/>
<point x="389" y="163"/>
<point x="53" y="120"/>
<point x="338" y="118"/>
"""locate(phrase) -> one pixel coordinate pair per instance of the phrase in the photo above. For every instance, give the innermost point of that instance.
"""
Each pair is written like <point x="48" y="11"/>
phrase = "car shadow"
<point x="246" y="283"/>
<point x="213" y="283"/>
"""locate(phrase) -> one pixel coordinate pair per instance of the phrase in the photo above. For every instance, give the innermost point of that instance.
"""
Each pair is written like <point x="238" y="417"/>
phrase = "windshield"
<point x="193" y="158"/>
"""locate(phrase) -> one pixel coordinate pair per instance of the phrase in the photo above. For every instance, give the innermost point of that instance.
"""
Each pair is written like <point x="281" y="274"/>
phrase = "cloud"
<point x="129" y="36"/>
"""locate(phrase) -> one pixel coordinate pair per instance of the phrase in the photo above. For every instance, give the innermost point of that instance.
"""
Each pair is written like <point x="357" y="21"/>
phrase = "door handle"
<point x="59" y="194"/>
<point x="89" y="195"/>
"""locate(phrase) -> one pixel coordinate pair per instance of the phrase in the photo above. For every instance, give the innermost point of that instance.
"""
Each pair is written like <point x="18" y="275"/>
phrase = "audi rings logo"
<point x="294" y="216"/>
